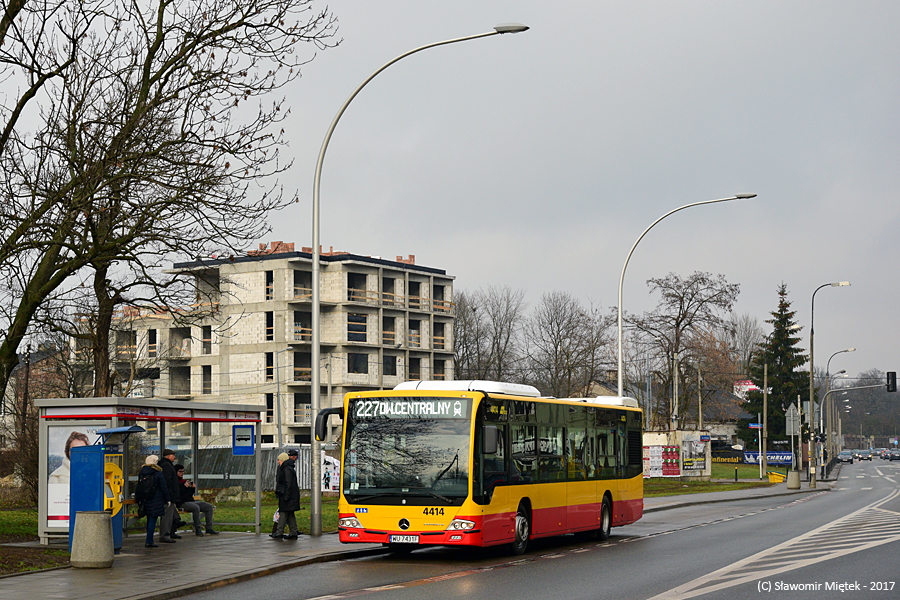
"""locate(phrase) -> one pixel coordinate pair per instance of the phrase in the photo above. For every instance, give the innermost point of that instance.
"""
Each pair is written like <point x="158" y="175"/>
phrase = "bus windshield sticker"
<point x="411" y="408"/>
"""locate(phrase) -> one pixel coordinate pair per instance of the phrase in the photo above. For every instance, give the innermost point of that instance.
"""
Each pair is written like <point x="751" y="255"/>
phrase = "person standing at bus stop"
<point x="166" y="525"/>
<point x="155" y="504"/>
<point x="288" y="491"/>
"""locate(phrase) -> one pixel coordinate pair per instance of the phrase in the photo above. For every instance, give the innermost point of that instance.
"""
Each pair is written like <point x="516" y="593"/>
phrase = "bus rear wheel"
<point x="523" y="531"/>
<point x="605" y="519"/>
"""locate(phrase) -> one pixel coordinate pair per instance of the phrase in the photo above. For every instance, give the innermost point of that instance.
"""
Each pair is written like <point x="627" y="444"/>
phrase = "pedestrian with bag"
<point x="288" y="491"/>
<point x="153" y="498"/>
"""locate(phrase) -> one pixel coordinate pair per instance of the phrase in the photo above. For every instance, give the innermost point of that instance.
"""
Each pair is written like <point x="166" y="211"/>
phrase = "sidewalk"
<point x="195" y="564"/>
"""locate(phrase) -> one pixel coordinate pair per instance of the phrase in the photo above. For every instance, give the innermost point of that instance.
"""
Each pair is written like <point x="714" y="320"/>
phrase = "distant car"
<point x="895" y="455"/>
<point x="846" y="456"/>
<point x="865" y="455"/>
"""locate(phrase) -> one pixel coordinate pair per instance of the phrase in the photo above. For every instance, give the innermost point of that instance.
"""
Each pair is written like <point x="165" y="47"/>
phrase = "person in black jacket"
<point x="168" y="470"/>
<point x="186" y="501"/>
<point x="155" y="505"/>
<point x="288" y="491"/>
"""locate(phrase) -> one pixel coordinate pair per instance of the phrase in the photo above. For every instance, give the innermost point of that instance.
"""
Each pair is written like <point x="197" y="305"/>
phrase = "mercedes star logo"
<point x="404" y="524"/>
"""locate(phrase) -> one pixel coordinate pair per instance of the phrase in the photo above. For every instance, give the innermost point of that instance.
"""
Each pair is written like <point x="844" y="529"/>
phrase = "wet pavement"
<point x="195" y="564"/>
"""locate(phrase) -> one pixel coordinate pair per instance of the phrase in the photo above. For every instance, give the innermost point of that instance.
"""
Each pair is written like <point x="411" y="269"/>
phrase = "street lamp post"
<point x="315" y="509"/>
<point x="829" y="415"/>
<point x="812" y="386"/>
<point x="630" y="252"/>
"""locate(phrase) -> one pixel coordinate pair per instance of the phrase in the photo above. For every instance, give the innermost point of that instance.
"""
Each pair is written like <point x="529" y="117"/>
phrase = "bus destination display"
<point x="410" y="408"/>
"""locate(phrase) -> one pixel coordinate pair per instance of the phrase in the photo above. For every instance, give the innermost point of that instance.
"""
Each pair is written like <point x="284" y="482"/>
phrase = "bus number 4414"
<point x="433" y="512"/>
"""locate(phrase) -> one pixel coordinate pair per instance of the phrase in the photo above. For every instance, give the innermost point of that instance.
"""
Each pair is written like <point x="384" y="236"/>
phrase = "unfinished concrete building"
<point x="382" y="322"/>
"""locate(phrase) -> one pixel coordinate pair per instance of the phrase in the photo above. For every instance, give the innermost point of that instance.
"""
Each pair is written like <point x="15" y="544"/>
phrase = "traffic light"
<point x="892" y="381"/>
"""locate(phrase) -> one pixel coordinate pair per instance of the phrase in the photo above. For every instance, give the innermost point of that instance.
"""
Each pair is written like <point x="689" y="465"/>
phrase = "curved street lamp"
<point x="830" y="416"/>
<point x="630" y="252"/>
<point x="315" y="508"/>
<point x="812" y="387"/>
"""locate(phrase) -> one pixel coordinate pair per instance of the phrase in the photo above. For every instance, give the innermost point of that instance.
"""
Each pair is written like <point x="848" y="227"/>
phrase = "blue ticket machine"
<point x="97" y="479"/>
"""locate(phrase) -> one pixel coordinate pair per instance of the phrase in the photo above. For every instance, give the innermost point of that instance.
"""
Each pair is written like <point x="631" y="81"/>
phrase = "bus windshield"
<point x="411" y="446"/>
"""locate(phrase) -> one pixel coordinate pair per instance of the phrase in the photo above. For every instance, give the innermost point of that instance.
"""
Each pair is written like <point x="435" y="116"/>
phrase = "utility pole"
<point x="24" y="420"/>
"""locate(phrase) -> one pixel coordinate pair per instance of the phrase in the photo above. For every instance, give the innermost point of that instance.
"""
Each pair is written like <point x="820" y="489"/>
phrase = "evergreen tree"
<point x="785" y="379"/>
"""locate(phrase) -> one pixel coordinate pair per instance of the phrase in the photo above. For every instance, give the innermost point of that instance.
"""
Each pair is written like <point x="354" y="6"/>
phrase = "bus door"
<point x="495" y="475"/>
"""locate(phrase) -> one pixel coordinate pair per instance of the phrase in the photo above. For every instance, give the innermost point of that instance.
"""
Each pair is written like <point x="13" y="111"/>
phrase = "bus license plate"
<point x="404" y="539"/>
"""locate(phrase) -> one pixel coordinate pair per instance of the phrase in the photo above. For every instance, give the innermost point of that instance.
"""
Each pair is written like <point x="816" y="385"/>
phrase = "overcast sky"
<point x="535" y="160"/>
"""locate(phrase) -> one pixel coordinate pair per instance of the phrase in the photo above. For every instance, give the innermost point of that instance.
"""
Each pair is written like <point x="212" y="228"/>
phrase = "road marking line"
<point x="757" y="566"/>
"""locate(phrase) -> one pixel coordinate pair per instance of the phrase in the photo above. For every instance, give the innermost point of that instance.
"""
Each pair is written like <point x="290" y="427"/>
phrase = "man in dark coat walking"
<point x="155" y="504"/>
<point x="168" y="470"/>
<point x="288" y="491"/>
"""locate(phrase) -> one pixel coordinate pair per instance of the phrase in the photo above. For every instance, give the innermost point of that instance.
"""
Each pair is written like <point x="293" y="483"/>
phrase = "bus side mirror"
<point x="322" y="421"/>
<point x="491" y="435"/>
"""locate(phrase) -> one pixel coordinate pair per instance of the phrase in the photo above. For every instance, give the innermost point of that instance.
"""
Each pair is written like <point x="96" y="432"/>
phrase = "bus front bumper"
<point x="470" y="537"/>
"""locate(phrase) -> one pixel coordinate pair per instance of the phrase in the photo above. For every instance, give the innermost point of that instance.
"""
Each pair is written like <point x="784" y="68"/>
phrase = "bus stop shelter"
<point x="189" y="428"/>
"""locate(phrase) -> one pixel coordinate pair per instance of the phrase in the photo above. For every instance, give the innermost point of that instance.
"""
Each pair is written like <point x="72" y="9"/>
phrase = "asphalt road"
<point x="843" y="543"/>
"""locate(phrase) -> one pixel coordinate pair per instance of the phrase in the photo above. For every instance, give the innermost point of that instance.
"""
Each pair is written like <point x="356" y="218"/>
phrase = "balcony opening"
<point x="270" y="326"/>
<point x="207" y="379"/>
<point x="270" y="285"/>
<point x="302" y="366"/>
<point x="358" y="363"/>
<point x="302" y="326"/>
<point x="415" y="295"/>
<point x="302" y="409"/>
<point x="388" y="332"/>
<point x="440" y="339"/>
<point x="302" y="285"/>
<point x="206" y="334"/>
<point x="390" y="366"/>
<point x="414" y="335"/>
<point x="356" y="327"/>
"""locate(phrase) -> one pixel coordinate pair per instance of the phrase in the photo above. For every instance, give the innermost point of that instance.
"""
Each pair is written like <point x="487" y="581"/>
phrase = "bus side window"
<point x="550" y="454"/>
<point x="523" y="450"/>
<point x="576" y="458"/>
<point x="495" y="467"/>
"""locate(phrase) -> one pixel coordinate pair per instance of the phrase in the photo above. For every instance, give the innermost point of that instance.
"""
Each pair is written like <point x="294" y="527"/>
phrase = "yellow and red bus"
<point x="484" y="463"/>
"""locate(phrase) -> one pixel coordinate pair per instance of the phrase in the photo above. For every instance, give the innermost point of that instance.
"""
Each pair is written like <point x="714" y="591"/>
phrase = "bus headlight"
<point x="460" y="525"/>
<point x="350" y="522"/>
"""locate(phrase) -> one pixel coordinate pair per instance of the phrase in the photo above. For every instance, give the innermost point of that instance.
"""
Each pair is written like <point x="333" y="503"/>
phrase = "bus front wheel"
<point x="605" y="519"/>
<point x="523" y="531"/>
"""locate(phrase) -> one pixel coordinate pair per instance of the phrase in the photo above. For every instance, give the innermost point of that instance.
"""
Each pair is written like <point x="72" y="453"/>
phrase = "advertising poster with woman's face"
<point x="60" y="441"/>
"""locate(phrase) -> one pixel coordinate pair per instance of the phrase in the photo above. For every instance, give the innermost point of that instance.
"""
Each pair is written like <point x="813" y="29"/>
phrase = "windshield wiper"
<point x="354" y="499"/>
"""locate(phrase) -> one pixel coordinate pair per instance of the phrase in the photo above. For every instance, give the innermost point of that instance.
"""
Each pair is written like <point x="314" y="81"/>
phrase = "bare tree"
<point x="567" y="345"/>
<point x="147" y="144"/>
<point x="747" y="335"/>
<point x="488" y="327"/>
<point x="687" y="307"/>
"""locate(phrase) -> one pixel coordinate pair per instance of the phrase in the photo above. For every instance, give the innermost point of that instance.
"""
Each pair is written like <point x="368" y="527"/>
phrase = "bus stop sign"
<point x="242" y="440"/>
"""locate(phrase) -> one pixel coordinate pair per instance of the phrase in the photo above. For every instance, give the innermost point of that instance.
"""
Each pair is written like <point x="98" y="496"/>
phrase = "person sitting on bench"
<point x="187" y="502"/>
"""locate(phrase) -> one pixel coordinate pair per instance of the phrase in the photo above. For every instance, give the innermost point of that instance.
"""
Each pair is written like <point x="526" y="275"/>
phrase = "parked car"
<point x="846" y="456"/>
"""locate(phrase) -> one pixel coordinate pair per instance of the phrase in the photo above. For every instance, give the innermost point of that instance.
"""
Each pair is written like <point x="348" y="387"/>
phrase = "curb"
<point x="754" y="497"/>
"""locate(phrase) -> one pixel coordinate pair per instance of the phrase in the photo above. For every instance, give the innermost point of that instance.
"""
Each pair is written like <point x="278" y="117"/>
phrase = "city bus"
<point x="482" y="463"/>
